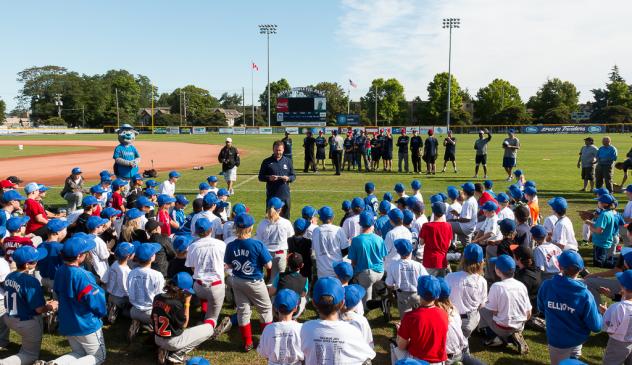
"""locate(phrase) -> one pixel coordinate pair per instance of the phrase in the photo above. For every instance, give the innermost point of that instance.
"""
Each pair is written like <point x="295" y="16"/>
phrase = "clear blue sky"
<point x="211" y="43"/>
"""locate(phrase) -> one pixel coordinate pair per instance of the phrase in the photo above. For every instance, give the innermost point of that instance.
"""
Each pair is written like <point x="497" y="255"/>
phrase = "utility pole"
<point x="118" y="117"/>
<point x="450" y="23"/>
<point x="184" y="103"/>
<point x="376" y="105"/>
<point x="252" y="92"/>
<point x="268" y="29"/>
<point x="180" y="108"/>
<point x="152" y="109"/>
<point x="83" y="116"/>
<point x="243" y="105"/>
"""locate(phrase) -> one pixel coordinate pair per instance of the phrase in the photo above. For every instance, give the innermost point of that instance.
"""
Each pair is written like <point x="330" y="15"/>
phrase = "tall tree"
<point x="494" y="98"/>
<point x="230" y="101"/>
<point x="199" y="104"/>
<point x="146" y="88"/>
<point x="390" y="93"/>
<point x="616" y="93"/>
<point x="124" y="84"/>
<point x="554" y="93"/>
<point x="337" y="98"/>
<point x="276" y="87"/>
<point x="436" y="108"/>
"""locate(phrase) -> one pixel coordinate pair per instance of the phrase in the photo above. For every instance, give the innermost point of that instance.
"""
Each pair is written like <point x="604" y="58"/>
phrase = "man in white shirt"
<point x="209" y="203"/>
<point x="399" y="231"/>
<point x="169" y="186"/>
<point x="328" y="242"/>
<point x="464" y="223"/>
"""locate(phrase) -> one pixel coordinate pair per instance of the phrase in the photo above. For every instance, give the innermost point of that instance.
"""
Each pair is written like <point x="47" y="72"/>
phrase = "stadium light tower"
<point x="268" y="29"/>
<point x="450" y="23"/>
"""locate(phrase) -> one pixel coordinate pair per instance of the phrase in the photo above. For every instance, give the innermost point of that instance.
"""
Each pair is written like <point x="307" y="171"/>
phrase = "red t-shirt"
<point x="117" y="200"/>
<point x="96" y="212"/>
<point x="32" y="208"/>
<point x="426" y="329"/>
<point x="437" y="237"/>
<point x="485" y="197"/>
<point x="13" y="243"/>
<point x="165" y="222"/>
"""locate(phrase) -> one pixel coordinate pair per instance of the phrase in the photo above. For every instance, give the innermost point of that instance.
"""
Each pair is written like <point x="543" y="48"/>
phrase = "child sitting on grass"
<point x="281" y="341"/>
<point x="545" y="253"/>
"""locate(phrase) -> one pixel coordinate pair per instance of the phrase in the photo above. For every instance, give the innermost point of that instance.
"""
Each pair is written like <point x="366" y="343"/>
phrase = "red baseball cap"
<point x="6" y="184"/>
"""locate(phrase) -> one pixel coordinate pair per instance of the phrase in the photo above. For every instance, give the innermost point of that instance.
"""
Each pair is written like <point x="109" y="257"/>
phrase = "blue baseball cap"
<point x="571" y="361"/>
<point x="210" y="199"/>
<point x="529" y="183"/>
<point x="444" y="196"/>
<point x="396" y="215"/>
<point x="530" y="190"/>
<point x="410" y="361"/>
<point x="94" y="222"/>
<point x="133" y="213"/>
<point x="56" y="225"/>
<point x="106" y="181"/>
<point x="357" y="203"/>
<point x="239" y="208"/>
<point x="78" y="244"/>
<point x="436" y="198"/>
<point x="12" y="195"/>
<point x="286" y="300"/>
<point x="244" y="220"/>
<point x="538" y="232"/>
<point x="601" y="191"/>
<point x="300" y="225"/>
<point x="182" y="242"/>
<point x="438" y="208"/>
<point x="403" y="246"/>
<point x="149" y="192"/>
<point x="518" y="172"/>
<point x="143" y="201"/>
<point x="558" y="204"/>
<point x="165" y="199"/>
<point x="145" y="251"/>
<point x="415" y="184"/>
<point x="97" y="189"/>
<point x="409" y="216"/>
<point x="627" y="257"/>
<point x="330" y="287"/>
<point x="119" y="183"/>
<point x="325" y="213"/>
<point x="31" y="187"/>
<point x="204" y="186"/>
<point x="488" y="184"/>
<point x="105" y="173"/>
<point x="388" y="196"/>
<point x="151" y="183"/>
<point x="606" y="199"/>
<point x="489" y="206"/>
<point x="181" y="199"/>
<point x="502" y="198"/>
<point x="515" y="192"/>
<point x="222" y="192"/>
<point x="570" y="258"/>
<point x="628" y="188"/>
<point x="137" y="177"/>
<point x="76" y="171"/>
<point x="43" y="188"/>
<point x="184" y="281"/>
<point x="473" y="253"/>
<point x="308" y="212"/>
<point x="353" y="295"/>
<point x="211" y="179"/>
<point x="411" y="201"/>
<point x="174" y="174"/>
<point x="445" y="289"/>
<point x="385" y="206"/>
<point x="25" y="254"/>
<point x="366" y="219"/>
<point x="275" y="203"/>
<point x="203" y="225"/>
<point x="198" y="361"/>
<point x="124" y="249"/>
<point x="625" y="278"/>
<point x="468" y="187"/>
<point x="453" y="192"/>
<point x="346" y="205"/>
<point x="15" y="223"/>
<point x="507" y="225"/>
<point x="418" y="207"/>
<point x="399" y="187"/>
<point x="428" y="287"/>
<point x="343" y="270"/>
<point x="369" y="187"/>
<point x="504" y="263"/>
<point x="89" y="201"/>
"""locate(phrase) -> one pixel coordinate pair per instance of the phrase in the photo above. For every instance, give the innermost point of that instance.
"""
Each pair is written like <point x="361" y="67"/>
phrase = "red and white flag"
<point x="255" y="67"/>
<point x="353" y="84"/>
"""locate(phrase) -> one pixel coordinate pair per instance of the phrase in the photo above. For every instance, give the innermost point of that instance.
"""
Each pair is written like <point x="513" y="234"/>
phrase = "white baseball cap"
<point x="229" y="140"/>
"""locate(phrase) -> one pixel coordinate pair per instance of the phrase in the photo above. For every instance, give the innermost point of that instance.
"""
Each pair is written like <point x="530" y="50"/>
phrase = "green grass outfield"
<point x="550" y="160"/>
<point x="13" y="151"/>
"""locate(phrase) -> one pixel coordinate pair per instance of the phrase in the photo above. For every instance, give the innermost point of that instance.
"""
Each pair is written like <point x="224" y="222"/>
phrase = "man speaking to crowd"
<point x="277" y="172"/>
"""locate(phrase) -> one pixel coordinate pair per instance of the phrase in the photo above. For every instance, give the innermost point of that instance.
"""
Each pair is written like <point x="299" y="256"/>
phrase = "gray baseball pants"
<point x="186" y="342"/>
<point x="366" y="279"/>
<point x="279" y="264"/>
<point x="462" y="236"/>
<point x="487" y="320"/>
<point x="74" y="200"/>
<point x="31" y="334"/>
<point x="143" y="316"/>
<point x="470" y="322"/>
<point x="557" y="354"/>
<point x="86" y="350"/>
<point x="406" y="301"/>
<point x="214" y="296"/>
<point x="251" y="292"/>
<point x="618" y="352"/>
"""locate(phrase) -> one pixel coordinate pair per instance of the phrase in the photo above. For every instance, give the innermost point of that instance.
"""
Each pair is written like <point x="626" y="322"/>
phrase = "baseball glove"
<point x="150" y="174"/>
<point x="586" y="214"/>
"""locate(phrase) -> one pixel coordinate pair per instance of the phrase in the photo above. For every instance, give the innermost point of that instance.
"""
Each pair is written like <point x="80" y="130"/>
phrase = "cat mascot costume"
<point x="126" y="157"/>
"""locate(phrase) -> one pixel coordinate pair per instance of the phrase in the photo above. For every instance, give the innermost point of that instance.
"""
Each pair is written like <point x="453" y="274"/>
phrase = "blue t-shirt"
<point x="48" y="266"/>
<point x="23" y="295"/>
<point x="128" y="153"/>
<point x="247" y="258"/>
<point x="367" y="251"/>
<point x="179" y="216"/>
<point x="371" y="204"/>
<point x="607" y="221"/>
<point x="606" y="155"/>
<point x="383" y="225"/>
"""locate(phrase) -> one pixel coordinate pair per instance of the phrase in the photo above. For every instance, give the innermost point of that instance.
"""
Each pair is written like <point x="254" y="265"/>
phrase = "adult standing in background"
<point x="337" y="148"/>
<point x="387" y="148"/>
<point x="73" y="189"/>
<point x="309" y="142"/>
<point x="450" y="151"/>
<point x="277" y="172"/>
<point x="332" y="148"/>
<point x="287" y="145"/>
<point x="402" y="151"/>
<point x="606" y="157"/>
<point x="415" y="149"/>
<point x="361" y="155"/>
<point x="321" y="144"/>
<point x="431" y="149"/>
<point x="511" y="145"/>
<point x="480" y="145"/>
<point x="229" y="158"/>
<point x="587" y="160"/>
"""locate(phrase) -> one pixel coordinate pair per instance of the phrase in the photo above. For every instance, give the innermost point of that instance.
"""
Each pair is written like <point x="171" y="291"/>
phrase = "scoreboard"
<point x="296" y="106"/>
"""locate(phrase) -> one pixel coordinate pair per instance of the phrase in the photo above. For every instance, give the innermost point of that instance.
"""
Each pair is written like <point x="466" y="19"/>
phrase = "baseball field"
<point x="550" y="160"/>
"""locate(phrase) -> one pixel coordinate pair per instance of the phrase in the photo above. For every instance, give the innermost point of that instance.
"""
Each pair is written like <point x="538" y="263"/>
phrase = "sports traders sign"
<point x="563" y="129"/>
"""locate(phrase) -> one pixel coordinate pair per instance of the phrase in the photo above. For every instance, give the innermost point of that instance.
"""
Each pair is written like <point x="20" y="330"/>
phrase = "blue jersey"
<point x="247" y="258"/>
<point x="382" y="226"/>
<point x="179" y="216"/>
<point x="127" y="153"/>
<point x="48" y="266"/>
<point x="23" y="294"/>
<point x="371" y="204"/>
<point x="81" y="301"/>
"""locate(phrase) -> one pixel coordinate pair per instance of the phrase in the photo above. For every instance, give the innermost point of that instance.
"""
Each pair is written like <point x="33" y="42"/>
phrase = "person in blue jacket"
<point x="569" y="309"/>
<point x="81" y="305"/>
<point x="277" y="172"/>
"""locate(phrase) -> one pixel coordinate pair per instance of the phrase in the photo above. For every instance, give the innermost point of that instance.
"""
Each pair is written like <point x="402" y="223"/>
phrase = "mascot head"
<point x="126" y="134"/>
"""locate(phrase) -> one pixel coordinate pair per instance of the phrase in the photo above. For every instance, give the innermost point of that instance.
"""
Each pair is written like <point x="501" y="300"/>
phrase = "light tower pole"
<point x="450" y="23"/>
<point x="268" y="29"/>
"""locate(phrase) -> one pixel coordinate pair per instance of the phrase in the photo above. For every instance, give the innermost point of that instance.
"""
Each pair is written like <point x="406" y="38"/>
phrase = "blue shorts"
<point x="509" y="162"/>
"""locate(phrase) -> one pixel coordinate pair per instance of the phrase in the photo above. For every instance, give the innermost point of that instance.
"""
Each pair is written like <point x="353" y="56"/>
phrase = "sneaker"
<point x="475" y="177"/>
<point x="494" y="342"/>
<point x="484" y="176"/>
<point x="112" y="313"/>
<point x="519" y="341"/>
<point x="224" y="326"/>
<point x="133" y="330"/>
<point x="249" y="347"/>
<point x="386" y="309"/>
<point x="162" y="356"/>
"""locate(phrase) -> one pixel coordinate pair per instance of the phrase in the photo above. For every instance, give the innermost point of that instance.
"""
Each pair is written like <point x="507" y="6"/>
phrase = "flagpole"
<point x="348" y="99"/>
<point x="252" y="91"/>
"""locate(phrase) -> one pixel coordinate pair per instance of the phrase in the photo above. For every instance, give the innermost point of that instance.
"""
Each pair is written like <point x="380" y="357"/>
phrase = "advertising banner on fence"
<point x="251" y="131"/>
<point x="563" y="129"/>
<point x="199" y="130"/>
<point x="265" y="130"/>
<point x="185" y="130"/>
<point x="173" y="130"/>
<point x="225" y="131"/>
<point x="303" y="124"/>
<point x="291" y="130"/>
<point x="160" y="130"/>
<point x="240" y="130"/>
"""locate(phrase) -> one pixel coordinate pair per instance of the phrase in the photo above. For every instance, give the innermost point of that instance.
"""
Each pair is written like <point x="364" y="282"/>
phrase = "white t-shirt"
<point x="490" y="225"/>
<point x="200" y="195"/>
<point x="143" y="284"/>
<point x="215" y="222"/>
<point x="393" y="235"/>
<point x="564" y="234"/>
<point x="545" y="258"/>
<point x="100" y="255"/>
<point x="167" y="187"/>
<point x="510" y="300"/>
<point x="456" y="341"/>
<point x="454" y="206"/>
<point x="206" y="257"/>
<point x="351" y="227"/>
<point x="627" y="211"/>
<point x="469" y="211"/>
<point x="468" y="292"/>
<point x="360" y="322"/>
<point x="616" y="321"/>
<point x="275" y="235"/>
<point x="403" y="274"/>
<point x="327" y="242"/>
<point x="418" y="223"/>
<point x="506" y="212"/>
<point x="333" y="343"/>
<point x="115" y="279"/>
<point x="310" y="231"/>
<point x="280" y="343"/>
<point x="228" y="231"/>
<point x="418" y="196"/>
<point x="549" y="223"/>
